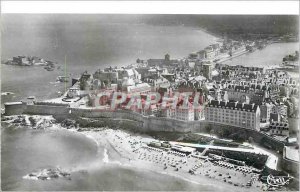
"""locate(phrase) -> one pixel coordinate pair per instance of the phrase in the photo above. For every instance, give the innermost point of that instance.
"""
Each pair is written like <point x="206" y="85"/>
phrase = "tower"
<point x="207" y="69"/>
<point x="167" y="57"/>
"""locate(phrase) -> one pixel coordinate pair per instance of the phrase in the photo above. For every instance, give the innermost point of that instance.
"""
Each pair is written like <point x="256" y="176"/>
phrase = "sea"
<point x="78" y="44"/>
<point x="81" y="43"/>
<point x="269" y="57"/>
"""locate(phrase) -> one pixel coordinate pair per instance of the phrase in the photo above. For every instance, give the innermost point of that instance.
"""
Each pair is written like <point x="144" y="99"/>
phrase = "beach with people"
<point x="132" y="151"/>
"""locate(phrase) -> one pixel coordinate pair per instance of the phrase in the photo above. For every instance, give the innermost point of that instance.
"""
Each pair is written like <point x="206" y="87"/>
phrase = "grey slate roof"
<point x="233" y="105"/>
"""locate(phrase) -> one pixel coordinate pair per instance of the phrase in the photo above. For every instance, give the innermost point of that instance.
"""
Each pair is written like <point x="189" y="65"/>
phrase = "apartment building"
<point x="233" y="113"/>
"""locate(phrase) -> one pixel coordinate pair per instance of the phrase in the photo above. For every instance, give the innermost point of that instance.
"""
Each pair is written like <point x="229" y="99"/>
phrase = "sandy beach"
<point x="132" y="151"/>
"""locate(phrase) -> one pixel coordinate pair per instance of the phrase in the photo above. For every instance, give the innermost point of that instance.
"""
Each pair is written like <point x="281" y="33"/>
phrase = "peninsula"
<point x="206" y="119"/>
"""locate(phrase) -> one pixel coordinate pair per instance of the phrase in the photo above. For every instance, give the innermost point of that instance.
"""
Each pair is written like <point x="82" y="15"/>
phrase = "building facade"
<point x="207" y="70"/>
<point x="265" y="109"/>
<point x="233" y="113"/>
<point x="280" y="109"/>
<point x="279" y="128"/>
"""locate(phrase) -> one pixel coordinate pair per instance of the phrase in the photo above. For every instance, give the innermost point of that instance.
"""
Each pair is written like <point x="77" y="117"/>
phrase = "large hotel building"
<point x="233" y="113"/>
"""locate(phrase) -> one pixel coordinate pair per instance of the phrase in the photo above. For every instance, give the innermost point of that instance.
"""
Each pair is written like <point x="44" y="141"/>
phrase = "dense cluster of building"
<point x="241" y="96"/>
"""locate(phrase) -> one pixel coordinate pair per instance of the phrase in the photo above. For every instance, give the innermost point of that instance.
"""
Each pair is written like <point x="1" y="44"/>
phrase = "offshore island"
<point x="30" y="61"/>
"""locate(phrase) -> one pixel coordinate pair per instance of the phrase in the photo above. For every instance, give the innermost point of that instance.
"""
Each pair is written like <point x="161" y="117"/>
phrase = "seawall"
<point x="135" y="121"/>
<point x="14" y="108"/>
<point x="46" y="110"/>
<point x="145" y="123"/>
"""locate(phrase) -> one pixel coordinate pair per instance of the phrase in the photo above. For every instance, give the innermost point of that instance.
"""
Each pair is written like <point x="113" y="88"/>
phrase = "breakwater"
<point x="240" y="53"/>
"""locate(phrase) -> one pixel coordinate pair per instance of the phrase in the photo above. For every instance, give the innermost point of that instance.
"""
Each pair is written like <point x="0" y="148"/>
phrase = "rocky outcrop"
<point x="69" y="123"/>
<point x="48" y="174"/>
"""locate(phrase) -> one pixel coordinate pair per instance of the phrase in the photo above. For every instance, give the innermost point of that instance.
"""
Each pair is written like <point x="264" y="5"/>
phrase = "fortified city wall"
<point x="147" y="123"/>
<point x="14" y="108"/>
<point x="136" y="121"/>
<point x="45" y="110"/>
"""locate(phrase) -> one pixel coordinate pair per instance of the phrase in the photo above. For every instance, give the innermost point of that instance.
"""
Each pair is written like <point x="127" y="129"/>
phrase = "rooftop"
<point x="233" y="105"/>
<point x="291" y="153"/>
<point x="13" y="103"/>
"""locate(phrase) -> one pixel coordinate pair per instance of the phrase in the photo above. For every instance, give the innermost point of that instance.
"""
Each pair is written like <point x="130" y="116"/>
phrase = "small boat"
<point x="59" y="93"/>
<point x="62" y="79"/>
<point x="7" y="93"/>
<point x="48" y="68"/>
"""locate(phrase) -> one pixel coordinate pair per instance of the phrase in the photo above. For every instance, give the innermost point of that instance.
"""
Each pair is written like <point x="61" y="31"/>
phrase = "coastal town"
<point x="229" y="124"/>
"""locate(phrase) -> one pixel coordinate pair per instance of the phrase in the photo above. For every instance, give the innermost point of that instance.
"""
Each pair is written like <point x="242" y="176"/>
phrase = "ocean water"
<point x="87" y="42"/>
<point x="25" y="150"/>
<point x="270" y="56"/>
